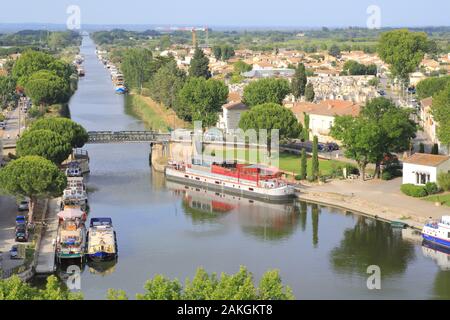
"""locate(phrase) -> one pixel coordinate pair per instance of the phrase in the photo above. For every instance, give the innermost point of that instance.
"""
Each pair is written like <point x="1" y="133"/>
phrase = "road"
<point x="7" y="227"/>
<point x="11" y="131"/>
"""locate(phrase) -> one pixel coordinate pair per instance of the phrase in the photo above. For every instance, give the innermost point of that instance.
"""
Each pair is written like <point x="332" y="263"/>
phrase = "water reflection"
<point x="262" y="220"/>
<point x="372" y="242"/>
<point x="441" y="257"/>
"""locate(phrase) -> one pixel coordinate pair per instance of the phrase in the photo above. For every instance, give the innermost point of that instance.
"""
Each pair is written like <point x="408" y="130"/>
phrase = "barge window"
<point x="186" y="176"/>
<point x="217" y="182"/>
<point x="251" y="189"/>
<point x="197" y="178"/>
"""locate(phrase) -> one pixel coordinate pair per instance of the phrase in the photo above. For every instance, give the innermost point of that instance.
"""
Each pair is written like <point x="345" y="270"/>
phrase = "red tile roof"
<point x="425" y="159"/>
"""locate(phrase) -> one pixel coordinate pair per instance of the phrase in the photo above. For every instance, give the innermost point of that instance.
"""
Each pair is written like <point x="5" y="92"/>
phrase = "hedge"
<point x="413" y="191"/>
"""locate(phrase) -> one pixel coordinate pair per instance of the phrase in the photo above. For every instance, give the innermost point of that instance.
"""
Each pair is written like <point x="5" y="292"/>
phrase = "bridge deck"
<point x="127" y="136"/>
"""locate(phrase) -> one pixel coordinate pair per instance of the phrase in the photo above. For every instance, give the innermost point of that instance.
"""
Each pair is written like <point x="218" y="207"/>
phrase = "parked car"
<point x="21" y="220"/>
<point x="23" y="206"/>
<point x="381" y="92"/>
<point x="14" y="252"/>
<point x="3" y="125"/>
<point x="21" y="233"/>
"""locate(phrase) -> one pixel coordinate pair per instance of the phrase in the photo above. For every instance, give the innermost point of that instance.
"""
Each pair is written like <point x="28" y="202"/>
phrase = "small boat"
<point x="398" y="225"/>
<point x="121" y="89"/>
<point x="102" y="240"/>
<point x="71" y="240"/>
<point x="438" y="232"/>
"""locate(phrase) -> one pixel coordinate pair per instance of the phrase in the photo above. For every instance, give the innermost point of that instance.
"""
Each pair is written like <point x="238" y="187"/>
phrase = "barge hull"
<point x="242" y="193"/>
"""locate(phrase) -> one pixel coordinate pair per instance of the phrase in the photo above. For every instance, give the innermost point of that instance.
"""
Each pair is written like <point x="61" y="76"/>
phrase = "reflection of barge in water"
<point x="253" y="181"/>
<point x="439" y="254"/>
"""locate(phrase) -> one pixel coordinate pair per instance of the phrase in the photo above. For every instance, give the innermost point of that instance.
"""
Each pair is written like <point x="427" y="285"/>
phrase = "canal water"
<point x="172" y="229"/>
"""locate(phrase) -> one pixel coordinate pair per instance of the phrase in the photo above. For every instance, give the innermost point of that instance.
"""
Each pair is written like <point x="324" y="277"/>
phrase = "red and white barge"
<point x="250" y="180"/>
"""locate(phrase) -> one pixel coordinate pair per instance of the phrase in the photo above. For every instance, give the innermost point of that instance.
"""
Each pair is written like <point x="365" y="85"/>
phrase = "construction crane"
<point x="193" y="30"/>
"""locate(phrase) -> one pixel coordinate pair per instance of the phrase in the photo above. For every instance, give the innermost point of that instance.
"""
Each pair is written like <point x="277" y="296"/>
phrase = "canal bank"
<point x="172" y="229"/>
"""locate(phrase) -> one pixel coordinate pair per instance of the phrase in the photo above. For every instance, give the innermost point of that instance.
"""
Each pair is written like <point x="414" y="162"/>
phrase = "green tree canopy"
<point x="136" y="67"/>
<point x="201" y="100"/>
<point x="33" y="177"/>
<point x="441" y="114"/>
<point x="334" y="51"/>
<point x="380" y="129"/>
<point x="309" y="92"/>
<point x="268" y="90"/>
<point x="7" y="90"/>
<point x="240" y="67"/>
<point x="403" y="51"/>
<point x="430" y="86"/>
<point x="166" y="83"/>
<point x="354" y="68"/>
<point x="68" y="129"/>
<point x="44" y="143"/>
<point x="271" y="116"/>
<point x="199" y="66"/>
<point x="299" y="81"/>
<point x="45" y="87"/>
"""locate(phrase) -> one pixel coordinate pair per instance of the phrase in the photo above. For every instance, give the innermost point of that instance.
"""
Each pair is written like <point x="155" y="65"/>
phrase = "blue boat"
<point x="102" y="240"/>
<point x="438" y="232"/>
<point x="121" y="89"/>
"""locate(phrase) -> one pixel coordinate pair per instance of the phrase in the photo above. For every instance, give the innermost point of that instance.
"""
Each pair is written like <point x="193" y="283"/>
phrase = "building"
<point x="428" y="124"/>
<point x="322" y="114"/>
<point x="231" y="114"/>
<point x="421" y="168"/>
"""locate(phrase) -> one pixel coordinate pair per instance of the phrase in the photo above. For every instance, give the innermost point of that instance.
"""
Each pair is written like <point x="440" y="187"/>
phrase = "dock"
<point x="46" y="256"/>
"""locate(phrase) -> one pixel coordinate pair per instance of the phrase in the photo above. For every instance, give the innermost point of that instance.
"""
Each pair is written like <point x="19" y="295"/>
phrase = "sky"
<point x="256" y="13"/>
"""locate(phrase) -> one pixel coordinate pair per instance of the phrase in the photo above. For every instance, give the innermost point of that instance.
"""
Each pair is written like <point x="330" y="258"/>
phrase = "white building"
<point x="231" y="114"/>
<point x="421" y="168"/>
<point x="322" y="115"/>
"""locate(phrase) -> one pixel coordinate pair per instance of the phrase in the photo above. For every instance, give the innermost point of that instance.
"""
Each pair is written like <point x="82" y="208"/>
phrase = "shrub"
<point x="298" y="177"/>
<point x="431" y="188"/>
<point x="386" y="175"/>
<point x="443" y="180"/>
<point x="413" y="191"/>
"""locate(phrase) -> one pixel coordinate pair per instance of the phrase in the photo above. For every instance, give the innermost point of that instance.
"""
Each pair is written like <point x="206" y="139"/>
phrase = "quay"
<point x="46" y="255"/>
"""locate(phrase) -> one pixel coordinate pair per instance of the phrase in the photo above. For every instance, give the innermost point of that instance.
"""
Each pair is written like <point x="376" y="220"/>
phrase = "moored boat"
<point x="102" y="240"/>
<point x="438" y="232"/>
<point x="254" y="181"/>
<point x="71" y="240"/>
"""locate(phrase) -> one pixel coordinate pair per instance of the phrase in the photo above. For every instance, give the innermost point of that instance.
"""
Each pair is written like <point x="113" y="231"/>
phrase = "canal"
<point x="171" y="229"/>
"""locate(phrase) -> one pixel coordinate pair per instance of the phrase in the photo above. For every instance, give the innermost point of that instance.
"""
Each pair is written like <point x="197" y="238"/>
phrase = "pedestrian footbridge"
<point x="127" y="137"/>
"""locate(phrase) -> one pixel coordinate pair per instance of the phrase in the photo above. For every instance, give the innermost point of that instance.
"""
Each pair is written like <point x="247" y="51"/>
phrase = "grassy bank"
<point x="290" y="163"/>
<point x="154" y="115"/>
<point x="442" y="198"/>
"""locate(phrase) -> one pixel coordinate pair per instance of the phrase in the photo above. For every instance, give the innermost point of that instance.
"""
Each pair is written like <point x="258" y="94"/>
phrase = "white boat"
<point x="438" y="232"/>
<point x="254" y="181"/>
<point x="71" y="240"/>
<point x="102" y="241"/>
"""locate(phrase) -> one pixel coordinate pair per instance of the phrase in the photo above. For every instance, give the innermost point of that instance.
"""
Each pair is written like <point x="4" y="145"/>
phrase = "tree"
<point x="360" y="139"/>
<point x="14" y="288"/>
<point x="440" y="110"/>
<point x="217" y="51"/>
<point x="306" y="128"/>
<point x="30" y="62"/>
<point x="299" y="81"/>
<point x="161" y="288"/>
<point x="309" y="92"/>
<point x="66" y="128"/>
<point x="431" y="86"/>
<point x="240" y="67"/>
<point x="270" y="116"/>
<point x="45" y="87"/>
<point x="44" y="143"/>
<point x="7" y="90"/>
<point x="199" y="66"/>
<point x="136" y="67"/>
<point x="268" y="90"/>
<point x="315" y="159"/>
<point x="334" y="51"/>
<point x="271" y="287"/>
<point x="227" y="52"/>
<point x="166" y="84"/>
<point x="201" y="100"/>
<point x="303" y="165"/>
<point x="33" y="177"/>
<point x="355" y="68"/>
<point x="403" y="51"/>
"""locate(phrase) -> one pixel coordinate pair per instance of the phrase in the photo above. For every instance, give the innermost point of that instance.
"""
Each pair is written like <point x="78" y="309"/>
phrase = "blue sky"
<point x="304" y="13"/>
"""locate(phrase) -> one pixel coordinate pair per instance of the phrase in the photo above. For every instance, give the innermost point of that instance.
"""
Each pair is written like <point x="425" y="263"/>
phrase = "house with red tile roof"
<point x="421" y="168"/>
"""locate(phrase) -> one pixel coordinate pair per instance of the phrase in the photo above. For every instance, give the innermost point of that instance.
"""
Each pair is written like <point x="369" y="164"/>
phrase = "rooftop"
<point x="328" y="108"/>
<point x="235" y="106"/>
<point x="425" y="159"/>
